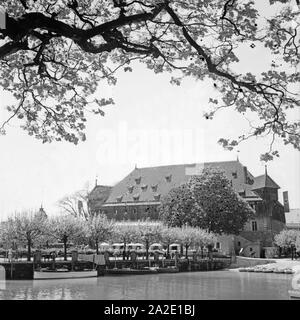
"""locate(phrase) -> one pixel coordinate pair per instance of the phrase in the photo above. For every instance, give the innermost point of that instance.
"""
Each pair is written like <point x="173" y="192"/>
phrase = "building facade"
<point x="139" y="194"/>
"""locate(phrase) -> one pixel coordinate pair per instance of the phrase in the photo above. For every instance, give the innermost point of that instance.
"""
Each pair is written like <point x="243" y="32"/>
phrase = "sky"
<point x="152" y="123"/>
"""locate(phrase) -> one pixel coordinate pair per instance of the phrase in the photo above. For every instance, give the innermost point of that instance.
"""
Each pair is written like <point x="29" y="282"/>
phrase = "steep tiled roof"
<point x="168" y="177"/>
<point x="100" y="192"/>
<point x="264" y="181"/>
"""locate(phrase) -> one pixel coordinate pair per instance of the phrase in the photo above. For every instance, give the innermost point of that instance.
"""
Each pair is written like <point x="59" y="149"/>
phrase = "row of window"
<point x="139" y="179"/>
<point x="136" y="197"/>
<point x="135" y="211"/>
<point x="144" y="188"/>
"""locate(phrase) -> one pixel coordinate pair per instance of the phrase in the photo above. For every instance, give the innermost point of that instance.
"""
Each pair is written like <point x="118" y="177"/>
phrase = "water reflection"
<point x="195" y="285"/>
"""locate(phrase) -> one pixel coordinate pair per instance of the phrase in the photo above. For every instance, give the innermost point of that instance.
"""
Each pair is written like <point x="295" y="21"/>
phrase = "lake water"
<point x="195" y="285"/>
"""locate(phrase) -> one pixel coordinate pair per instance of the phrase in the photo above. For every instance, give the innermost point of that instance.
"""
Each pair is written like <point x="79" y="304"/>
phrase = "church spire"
<point x="266" y="175"/>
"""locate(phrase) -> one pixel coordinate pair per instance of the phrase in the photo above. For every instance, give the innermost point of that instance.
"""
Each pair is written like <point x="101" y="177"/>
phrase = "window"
<point x="130" y="189"/>
<point x="239" y="243"/>
<point x="144" y="187"/>
<point x="138" y="180"/>
<point x="168" y="178"/>
<point x="154" y="187"/>
<point x="157" y="197"/>
<point x="250" y="249"/>
<point x="249" y="180"/>
<point x="254" y="225"/>
<point x="234" y="175"/>
<point x="136" y="197"/>
<point x="119" y="198"/>
<point x="218" y="245"/>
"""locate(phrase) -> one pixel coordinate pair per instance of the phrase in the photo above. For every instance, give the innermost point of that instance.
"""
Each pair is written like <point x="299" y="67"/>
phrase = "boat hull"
<point x="168" y="270"/>
<point x="44" y="275"/>
<point x="128" y="271"/>
<point x="294" y="294"/>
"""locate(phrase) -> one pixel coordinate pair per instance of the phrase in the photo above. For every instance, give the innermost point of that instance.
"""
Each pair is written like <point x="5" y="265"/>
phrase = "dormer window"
<point x="119" y="198"/>
<point x="144" y="187"/>
<point x="130" y="189"/>
<point x="138" y="180"/>
<point x="154" y="187"/>
<point x="242" y="193"/>
<point x="136" y="197"/>
<point x="234" y="175"/>
<point x="157" y="197"/>
<point x="168" y="178"/>
<point x="249" y="180"/>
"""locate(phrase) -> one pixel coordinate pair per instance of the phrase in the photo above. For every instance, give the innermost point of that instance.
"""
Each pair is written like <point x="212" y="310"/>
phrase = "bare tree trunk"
<point x="65" y="248"/>
<point x="28" y="250"/>
<point x="124" y="250"/>
<point x="147" y="249"/>
<point x="186" y="251"/>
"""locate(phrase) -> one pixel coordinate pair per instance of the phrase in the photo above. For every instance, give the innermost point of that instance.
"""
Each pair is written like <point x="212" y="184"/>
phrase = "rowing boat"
<point x="63" y="274"/>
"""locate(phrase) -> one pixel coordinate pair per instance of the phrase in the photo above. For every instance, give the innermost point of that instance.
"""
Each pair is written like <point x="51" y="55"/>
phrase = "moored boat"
<point x="63" y="274"/>
<point x="278" y="270"/>
<point x="267" y="270"/>
<point x="288" y="271"/>
<point x="294" y="294"/>
<point x="128" y="271"/>
<point x="168" y="270"/>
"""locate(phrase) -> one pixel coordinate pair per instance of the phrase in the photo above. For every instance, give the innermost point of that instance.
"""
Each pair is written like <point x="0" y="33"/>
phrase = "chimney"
<point x="245" y="175"/>
<point x="286" y="201"/>
<point x="80" y="206"/>
<point x="2" y="18"/>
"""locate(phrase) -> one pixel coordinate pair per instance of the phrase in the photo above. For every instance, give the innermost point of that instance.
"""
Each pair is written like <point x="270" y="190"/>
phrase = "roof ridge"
<point x="188" y="164"/>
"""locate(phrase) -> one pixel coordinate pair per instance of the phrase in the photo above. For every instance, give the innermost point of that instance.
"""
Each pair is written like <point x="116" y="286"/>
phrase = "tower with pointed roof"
<point x="42" y="213"/>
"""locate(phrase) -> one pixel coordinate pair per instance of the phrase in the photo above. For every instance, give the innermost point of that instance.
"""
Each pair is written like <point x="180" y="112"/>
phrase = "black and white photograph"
<point x="149" y="151"/>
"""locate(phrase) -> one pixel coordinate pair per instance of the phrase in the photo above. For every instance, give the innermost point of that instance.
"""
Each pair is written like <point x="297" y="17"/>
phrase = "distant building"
<point x="139" y="194"/>
<point x="293" y="219"/>
<point x="97" y="197"/>
<point x="42" y="213"/>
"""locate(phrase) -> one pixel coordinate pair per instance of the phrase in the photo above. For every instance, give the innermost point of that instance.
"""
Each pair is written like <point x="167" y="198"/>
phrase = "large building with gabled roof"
<point x="138" y="195"/>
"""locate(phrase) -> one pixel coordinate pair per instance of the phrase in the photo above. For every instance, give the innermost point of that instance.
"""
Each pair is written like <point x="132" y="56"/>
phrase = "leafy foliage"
<point x="54" y="54"/>
<point x="206" y="201"/>
<point x="286" y="238"/>
<point x="25" y="228"/>
<point x="66" y="228"/>
<point x="99" y="229"/>
<point x="149" y="232"/>
<point x="125" y="232"/>
<point x="189" y="236"/>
